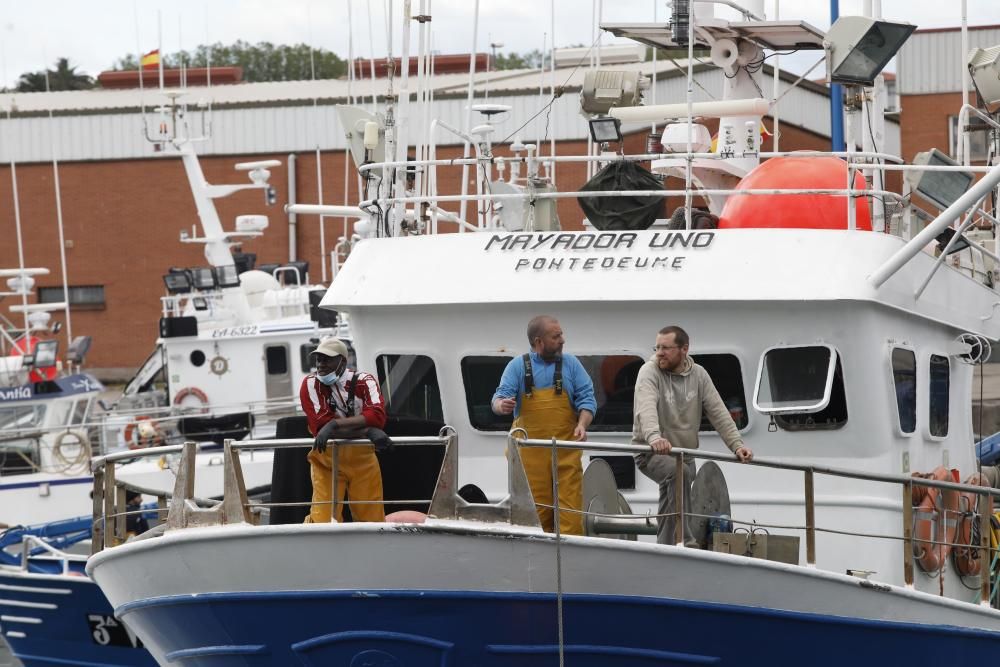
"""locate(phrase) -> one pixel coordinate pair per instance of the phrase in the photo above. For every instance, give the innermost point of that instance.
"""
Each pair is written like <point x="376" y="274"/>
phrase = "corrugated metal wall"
<point x="278" y="129"/>
<point x="932" y="62"/>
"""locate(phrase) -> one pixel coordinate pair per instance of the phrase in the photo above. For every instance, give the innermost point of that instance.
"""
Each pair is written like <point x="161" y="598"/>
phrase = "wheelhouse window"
<point x="410" y="386"/>
<point x="481" y="376"/>
<point x="939" y="395"/>
<point x="614" y="377"/>
<point x="276" y="359"/>
<point x="904" y="380"/>
<point x="802" y="387"/>
<point x="614" y="388"/>
<point x="727" y="376"/>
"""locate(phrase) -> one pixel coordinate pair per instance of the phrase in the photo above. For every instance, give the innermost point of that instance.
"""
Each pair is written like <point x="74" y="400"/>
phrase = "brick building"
<point x="124" y="205"/>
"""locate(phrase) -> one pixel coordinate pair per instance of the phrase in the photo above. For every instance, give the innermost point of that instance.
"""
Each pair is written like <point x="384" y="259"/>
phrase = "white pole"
<point x="17" y="227"/>
<point x="776" y="72"/>
<point x="468" y="107"/>
<point x="960" y="134"/>
<point x="552" y="83"/>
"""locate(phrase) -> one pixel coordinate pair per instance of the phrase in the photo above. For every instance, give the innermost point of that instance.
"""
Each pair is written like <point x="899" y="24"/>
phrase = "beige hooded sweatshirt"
<point x="670" y="404"/>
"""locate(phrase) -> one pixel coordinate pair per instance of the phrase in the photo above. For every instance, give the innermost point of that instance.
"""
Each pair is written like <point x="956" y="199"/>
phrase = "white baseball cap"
<point x="331" y="347"/>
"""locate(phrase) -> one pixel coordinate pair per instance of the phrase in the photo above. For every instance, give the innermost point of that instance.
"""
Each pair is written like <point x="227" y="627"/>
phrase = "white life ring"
<point x="143" y="432"/>
<point x="184" y="393"/>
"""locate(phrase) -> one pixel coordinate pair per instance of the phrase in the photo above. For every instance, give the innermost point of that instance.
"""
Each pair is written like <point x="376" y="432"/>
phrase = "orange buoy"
<point x="801" y="211"/>
<point x="968" y="556"/>
<point x="934" y="520"/>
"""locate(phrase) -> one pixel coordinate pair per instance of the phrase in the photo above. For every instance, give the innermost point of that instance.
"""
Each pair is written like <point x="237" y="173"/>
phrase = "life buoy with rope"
<point x="968" y="556"/>
<point x="143" y="432"/>
<point x="187" y="392"/>
<point x="935" y="521"/>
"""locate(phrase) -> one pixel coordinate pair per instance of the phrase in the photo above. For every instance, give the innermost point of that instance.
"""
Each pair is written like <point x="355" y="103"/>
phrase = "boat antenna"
<point x="59" y="217"/>
<point x="319" y="161"/>
<point x="17" y="226"/>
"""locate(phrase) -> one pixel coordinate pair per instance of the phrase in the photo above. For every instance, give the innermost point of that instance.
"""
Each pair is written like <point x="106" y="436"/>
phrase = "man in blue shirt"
<point x="550" y="396"/>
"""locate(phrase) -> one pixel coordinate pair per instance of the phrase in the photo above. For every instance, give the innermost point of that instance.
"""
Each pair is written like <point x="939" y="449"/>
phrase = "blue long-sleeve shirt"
<point x="576" y="383"/>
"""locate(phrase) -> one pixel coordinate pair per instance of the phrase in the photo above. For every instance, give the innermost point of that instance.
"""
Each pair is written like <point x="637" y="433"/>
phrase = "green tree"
<point x="260" y="62"/>
<point x="63" y="77"/>
<point x="529" y="60"/>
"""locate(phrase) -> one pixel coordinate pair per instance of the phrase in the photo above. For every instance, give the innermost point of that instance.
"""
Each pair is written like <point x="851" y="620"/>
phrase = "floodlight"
<point x="45" y="353"/>
<point x="606" y="129"/>
<point x="227" y="276"/>
<point x="199" y="303"/>
<point x="984" y="66"/>
<point x="178" y="281"/>
<point x="604" y="89"/>
<point x="203" y="278"/>
<point x="860" y="47"/>
<point x="941" y="188"/>
<point x="945" y="237"/>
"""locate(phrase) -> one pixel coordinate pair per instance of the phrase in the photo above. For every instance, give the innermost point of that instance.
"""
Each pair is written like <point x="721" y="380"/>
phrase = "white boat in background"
<point x="232" y="350"/>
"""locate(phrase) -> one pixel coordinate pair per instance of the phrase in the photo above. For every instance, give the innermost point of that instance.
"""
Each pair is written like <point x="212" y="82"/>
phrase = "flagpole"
<point x="159" y="45"/>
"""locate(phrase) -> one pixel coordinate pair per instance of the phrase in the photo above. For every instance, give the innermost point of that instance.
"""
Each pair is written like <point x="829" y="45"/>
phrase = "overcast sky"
<point x="94" y="33"/>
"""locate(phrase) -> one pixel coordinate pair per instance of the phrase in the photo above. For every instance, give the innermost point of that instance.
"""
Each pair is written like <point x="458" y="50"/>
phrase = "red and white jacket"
<point x="321" y="403"/>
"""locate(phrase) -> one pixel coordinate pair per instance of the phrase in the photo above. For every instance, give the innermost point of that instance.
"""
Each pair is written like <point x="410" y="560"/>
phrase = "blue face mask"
<point x="329" y="378"/>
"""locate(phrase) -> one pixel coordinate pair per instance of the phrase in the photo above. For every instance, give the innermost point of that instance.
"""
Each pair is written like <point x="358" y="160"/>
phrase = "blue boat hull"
<point x="483" y="629"/>
<point x="64" y="621"/>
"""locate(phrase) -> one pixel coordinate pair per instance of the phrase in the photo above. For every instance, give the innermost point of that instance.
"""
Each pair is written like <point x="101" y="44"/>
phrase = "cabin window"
<point x="795" y="379"/>
<point x="305" y="357"/>
<point x="614" y="377"/>
<point x="410" y="386"/>
<point x="904" y="380"/>
<point x="80" y="409"/>
<point x="481" y="376"/>
<point x="614" y="386"/>
<point x="727" y="376"/>
<point x="20" y="417"/>
<point x="802" y="387"/>
<point x="276" y="357"/>
<point x="940" y="378"/>
<point x="83" y="297"/>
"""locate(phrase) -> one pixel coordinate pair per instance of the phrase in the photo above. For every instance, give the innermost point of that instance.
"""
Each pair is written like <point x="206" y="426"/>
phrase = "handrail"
<point x="987" y="493"/>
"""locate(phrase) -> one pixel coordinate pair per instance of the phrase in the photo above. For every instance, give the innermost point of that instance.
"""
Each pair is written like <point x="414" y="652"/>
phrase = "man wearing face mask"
<point x="343" y="403"/>
<point x="551" y="396"/>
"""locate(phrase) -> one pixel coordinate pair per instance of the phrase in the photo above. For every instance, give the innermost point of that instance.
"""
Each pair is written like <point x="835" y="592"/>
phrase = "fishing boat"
<point x="832" y="320"/>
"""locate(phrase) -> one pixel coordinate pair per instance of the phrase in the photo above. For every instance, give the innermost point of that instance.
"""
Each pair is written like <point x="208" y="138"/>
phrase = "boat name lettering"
<point x="599" y="241"/>
<point x="15" y="393"/>
<point x="235" y="332"/>
<point x="591" y="263"/>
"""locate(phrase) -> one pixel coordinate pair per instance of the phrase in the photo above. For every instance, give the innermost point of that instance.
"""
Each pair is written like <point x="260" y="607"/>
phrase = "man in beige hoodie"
<point x="670" y="394"/>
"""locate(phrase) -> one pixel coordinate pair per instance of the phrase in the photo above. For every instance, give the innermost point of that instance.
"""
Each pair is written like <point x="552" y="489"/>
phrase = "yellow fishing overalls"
<point x="547" y="413"/>
<point x="358" y="475"/>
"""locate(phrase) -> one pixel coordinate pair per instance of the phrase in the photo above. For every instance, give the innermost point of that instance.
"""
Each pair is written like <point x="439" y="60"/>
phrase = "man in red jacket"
<point x="343" y="403"/>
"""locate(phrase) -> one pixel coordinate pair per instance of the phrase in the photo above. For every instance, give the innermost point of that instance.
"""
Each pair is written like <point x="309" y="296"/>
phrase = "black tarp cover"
<point x="622" y="213"/>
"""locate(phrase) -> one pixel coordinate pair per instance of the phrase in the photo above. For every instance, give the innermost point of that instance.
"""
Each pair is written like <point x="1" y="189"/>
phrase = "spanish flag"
<point x="150" y="60"/>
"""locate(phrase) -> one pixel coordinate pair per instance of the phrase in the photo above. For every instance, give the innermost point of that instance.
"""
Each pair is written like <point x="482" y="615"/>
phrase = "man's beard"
<point x="551" y="355"/>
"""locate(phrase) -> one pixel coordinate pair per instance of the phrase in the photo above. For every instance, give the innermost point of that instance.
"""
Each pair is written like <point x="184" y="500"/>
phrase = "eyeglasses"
<point x="665" y="347"/>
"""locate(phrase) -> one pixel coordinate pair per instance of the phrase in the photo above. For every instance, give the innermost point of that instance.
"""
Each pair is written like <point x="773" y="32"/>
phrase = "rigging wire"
<point x="557" y="93"/>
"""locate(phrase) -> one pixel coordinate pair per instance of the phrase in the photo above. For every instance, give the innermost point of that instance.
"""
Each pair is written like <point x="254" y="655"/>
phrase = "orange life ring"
<point x="142" y="432"/>
<point x="191" y="391"/>
<point x="968" y="559"/>
<point x="934" y="519"/>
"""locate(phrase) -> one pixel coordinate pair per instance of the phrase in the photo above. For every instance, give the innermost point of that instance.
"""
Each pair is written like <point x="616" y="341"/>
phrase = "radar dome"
<point x="803" y="211"/>
<point x="256" y="284"/>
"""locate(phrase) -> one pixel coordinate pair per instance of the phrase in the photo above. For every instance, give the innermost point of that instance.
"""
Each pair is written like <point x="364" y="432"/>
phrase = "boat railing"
<point x="985" y="499"/>
<point x="110" y="507"/>
<point x="518" y="507"/>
